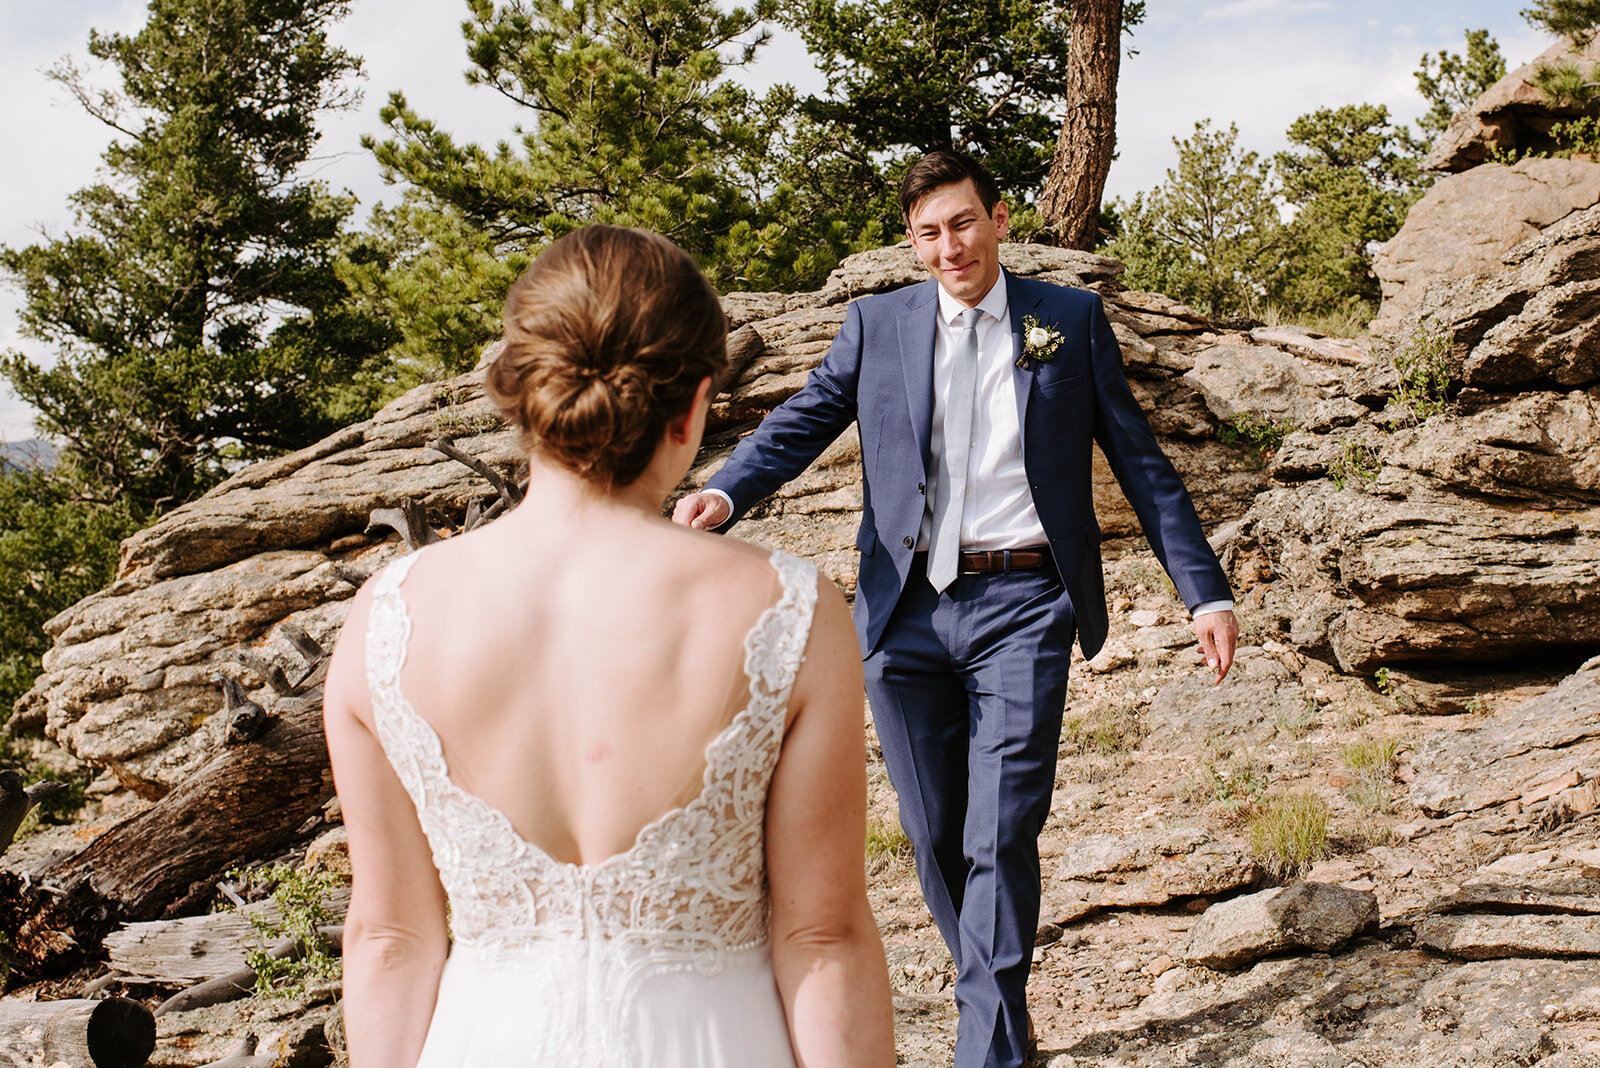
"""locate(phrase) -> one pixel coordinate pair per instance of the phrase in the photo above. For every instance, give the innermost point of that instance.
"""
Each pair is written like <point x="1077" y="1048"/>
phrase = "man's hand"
<point x="1218" y="633"/>
<point x="702" y="511"/>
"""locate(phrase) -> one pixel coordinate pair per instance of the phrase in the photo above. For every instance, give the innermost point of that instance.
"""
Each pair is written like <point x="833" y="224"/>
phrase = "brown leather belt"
<point x="988" y="560"/>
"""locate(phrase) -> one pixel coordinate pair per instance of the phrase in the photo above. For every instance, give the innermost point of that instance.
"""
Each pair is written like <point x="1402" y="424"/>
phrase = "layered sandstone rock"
<point x="1513" y="116"/>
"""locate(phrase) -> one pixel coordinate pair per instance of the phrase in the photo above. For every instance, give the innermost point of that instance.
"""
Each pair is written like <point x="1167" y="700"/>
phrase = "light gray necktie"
<point x="944" y="549"/>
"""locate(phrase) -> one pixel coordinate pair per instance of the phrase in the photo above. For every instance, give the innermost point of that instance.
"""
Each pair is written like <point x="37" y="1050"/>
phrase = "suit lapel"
<point x="1024" y="300"/>
<point x="917" y="325"/>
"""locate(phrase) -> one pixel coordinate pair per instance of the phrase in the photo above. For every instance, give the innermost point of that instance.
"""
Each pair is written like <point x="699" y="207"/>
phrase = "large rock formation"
<point x="1451" y="532"/>
<point x="1468" y="222"/>
<point x="1512" y="117"/>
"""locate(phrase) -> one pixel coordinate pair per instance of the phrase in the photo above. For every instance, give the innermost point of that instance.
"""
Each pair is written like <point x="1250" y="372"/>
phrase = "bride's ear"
<point x="692" y="422"/>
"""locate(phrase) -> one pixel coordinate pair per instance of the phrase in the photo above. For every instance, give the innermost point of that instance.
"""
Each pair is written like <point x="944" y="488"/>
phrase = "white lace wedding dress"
<point x="657" y="956"/>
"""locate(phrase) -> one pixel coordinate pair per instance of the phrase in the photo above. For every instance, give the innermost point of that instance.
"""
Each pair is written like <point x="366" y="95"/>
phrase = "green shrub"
<point x="1357" y="462"/>
<point x="1261" y="438"/>
<point x="1290" y="832"/>
<point x="302" y="909"/>
<point x="1423" y="369"/>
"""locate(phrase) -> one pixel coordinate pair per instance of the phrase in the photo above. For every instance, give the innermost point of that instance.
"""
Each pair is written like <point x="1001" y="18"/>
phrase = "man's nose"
<point x="948" y="245"/>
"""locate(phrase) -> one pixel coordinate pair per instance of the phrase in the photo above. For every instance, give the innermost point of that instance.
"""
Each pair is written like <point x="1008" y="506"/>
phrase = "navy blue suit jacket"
<point x="879" y="373"/>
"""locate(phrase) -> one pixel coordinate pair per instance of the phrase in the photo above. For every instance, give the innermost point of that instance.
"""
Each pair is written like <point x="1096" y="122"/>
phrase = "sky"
<point x="1255" y="63"/>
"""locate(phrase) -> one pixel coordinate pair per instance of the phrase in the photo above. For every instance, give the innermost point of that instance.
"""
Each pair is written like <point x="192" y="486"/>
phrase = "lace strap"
<point x="776" y="645"/>
<point x="388" y="637"/>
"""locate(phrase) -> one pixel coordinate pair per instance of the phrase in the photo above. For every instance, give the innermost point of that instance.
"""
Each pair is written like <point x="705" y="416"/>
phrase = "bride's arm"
<point x="826" y="950"/>
<point x="395" y="939"/>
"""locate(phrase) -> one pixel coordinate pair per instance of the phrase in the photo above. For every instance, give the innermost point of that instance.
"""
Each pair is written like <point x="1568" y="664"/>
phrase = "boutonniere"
<point x="1039" y="343"/>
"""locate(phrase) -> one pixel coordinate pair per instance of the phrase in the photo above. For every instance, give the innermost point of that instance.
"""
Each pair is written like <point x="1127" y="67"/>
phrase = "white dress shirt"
<point x="998" y="511"/>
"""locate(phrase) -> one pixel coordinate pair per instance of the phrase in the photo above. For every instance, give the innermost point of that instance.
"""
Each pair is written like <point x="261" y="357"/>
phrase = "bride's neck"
<point x="558" y="493"/>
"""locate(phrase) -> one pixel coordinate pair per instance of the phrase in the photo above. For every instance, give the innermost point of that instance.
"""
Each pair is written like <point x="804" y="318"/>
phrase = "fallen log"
<point x="165" y="861"/>
<point x="113" y="1033"/>
<point x="242" y="982"/>
<point x="197" y="948"/>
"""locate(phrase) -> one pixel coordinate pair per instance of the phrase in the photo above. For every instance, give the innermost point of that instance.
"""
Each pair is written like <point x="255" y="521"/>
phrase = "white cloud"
<point x="1239" y="8"/>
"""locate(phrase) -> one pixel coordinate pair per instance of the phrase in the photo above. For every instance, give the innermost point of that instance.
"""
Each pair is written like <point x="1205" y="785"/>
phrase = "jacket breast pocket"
<point x="1057" y="385"/>
<point x="866" y="541"/>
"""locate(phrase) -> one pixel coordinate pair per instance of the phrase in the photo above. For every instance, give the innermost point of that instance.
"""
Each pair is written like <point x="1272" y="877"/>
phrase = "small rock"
<point x="1125" y="966"/>
<point x="1316" y="916"/>
<point x="1159" y="967"/>
<point x="1144" y="617"/>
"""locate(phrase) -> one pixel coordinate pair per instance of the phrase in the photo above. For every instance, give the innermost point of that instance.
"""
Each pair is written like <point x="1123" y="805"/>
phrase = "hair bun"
<point x="609" y="332"/>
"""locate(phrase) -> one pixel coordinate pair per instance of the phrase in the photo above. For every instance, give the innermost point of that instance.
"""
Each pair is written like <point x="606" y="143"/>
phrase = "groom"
<point x="977" y="396"/>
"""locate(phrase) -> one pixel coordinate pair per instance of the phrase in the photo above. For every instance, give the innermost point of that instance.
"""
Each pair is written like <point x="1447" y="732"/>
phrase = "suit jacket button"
<point x="922" y="489"/>
<point x="910" y="542"/>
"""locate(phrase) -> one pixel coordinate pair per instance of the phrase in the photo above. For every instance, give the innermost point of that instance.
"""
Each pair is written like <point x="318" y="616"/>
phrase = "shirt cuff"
<point x="1199" y="609"/>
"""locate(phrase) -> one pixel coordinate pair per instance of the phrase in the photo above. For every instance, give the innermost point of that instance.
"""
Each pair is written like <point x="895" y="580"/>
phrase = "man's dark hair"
<point x="941" y="167"/>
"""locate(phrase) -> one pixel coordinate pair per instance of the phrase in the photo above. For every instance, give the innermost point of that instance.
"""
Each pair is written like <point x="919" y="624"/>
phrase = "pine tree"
<point x="1088" y="139"/>
<point x="1351" y="182"/>
<point x="194" y="308"/>
<point x="1451" y="82"/>
<point x="630" y="120"/>
<point x="1577" y="20"/>
<point x="1210" y="233"/>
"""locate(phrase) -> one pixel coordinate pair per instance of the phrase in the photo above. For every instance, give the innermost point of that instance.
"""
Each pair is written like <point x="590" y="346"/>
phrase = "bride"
<point x="603" y="776"/>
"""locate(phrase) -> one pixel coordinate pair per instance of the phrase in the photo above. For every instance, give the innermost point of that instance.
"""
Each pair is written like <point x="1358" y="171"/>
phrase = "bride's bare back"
<point x="540" y="657"/>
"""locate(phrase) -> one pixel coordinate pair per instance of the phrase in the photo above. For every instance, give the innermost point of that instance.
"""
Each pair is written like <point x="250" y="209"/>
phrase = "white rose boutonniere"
<point x="1039" y="343"/>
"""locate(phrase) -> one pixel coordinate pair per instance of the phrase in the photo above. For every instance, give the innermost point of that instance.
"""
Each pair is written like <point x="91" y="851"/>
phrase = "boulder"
<point x="1512" y="116"/>
<point x="1265" y="383"/>
<point x="1317" y="916"/>
<point x="1145" y="869"/>
<point x="1528" y="320"/>
<point x="1396" y="571"/>
<point x="1537" y="446"/>
<point x="1544" y="740"/>
<point x="1468" y="222"/>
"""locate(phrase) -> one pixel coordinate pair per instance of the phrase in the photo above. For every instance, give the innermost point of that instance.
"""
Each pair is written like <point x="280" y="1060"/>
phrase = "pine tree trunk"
<point x="1077" y="178"/>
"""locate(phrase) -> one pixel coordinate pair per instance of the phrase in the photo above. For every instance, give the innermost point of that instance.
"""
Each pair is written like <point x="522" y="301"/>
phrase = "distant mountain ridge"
<point x="27" y="454"/>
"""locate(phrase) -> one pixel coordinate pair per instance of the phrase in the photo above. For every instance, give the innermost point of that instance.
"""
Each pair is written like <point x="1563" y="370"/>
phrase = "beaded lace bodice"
<point x="693" y="885"/>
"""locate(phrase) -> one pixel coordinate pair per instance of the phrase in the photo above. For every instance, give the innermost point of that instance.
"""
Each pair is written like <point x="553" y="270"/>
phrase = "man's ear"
<point x="1001" y="216"/>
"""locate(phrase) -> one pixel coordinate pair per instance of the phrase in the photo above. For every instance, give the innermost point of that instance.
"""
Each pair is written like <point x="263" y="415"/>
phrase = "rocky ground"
<point x="1161" y="778"/>
<point x="1152" y="754"/>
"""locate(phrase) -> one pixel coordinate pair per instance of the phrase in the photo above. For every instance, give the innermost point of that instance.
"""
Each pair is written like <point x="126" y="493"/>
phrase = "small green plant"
<point x="302" y="909"/>
<point x="1374" y="755"/>
<point x="886" y="841"/>
<point x="1234" y="782"/>
<point x="1289" y="832"/>
<point x="451" y="421"/>
<point x="1381" y="680"/>
<point x="1357" y="462"/>
<point x="1477" y="704"/>
<point x="1261" y="438"/>
<point x="1423" y="369"/>
<point x="1105" y="729"/>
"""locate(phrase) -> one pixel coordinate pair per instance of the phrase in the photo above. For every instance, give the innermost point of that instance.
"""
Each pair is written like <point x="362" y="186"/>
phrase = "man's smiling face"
<point x="957" y="240"/>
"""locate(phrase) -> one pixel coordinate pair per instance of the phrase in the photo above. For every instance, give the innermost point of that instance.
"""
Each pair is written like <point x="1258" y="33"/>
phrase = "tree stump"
<point x="114" y="1033"/>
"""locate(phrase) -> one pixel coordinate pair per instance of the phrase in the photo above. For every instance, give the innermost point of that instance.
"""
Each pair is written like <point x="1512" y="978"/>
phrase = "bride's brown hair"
<point x="608" y="334"/>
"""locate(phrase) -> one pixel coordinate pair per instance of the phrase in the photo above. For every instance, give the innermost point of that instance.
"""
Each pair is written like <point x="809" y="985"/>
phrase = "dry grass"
<point x="1289" y="832"/>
